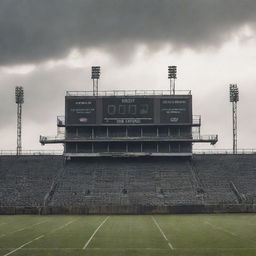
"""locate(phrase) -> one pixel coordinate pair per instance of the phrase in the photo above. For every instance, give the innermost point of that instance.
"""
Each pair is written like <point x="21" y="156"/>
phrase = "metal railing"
<point x="60" y="120"/>
<point x="195" y="151"/>
<point x="128" y="93"/>
<point x="31" y="152"/>
<point x="205" y="137"/>
<point x="223" y="151"/>
<point x="196" y="120"/>
<point x="195" y="137"/>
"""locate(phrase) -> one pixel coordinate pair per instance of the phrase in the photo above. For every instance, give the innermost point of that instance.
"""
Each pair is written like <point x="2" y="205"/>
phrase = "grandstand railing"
<point x="194" y="137"/>
<point x="128" y="93"/>
<point x="223" y="151"/>
<point x="31" y="152"/>
<point x="195" y="151"/>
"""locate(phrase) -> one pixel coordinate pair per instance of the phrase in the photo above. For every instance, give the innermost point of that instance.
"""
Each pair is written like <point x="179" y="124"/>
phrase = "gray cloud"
<point x="33" y="31"/>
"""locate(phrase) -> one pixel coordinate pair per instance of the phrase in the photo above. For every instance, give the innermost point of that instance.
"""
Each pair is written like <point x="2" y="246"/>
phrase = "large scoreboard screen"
<point x="127" y="110"/>
<point x="134" y="110"/>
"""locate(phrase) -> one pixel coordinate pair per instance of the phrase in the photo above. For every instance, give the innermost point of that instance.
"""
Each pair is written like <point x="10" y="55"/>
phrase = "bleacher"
<point x="206" y="179"/>
<point x="125" y="182"/>
<point x="25" y="180"/>
<point x="218" y="171"/>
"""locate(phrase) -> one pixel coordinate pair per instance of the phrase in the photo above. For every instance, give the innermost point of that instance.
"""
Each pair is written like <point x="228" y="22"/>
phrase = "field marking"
<point x="222" y="229"/>
<point x="229" y="232"/>
<point x="15" y="250"/>
<point x="63" y="226"/>
<point x="163" y="234"/>
<point x="27" y="227"/>
<point x="133" y="248"/>
<point x="39" y="237"/>
<point x="94" y="248"/>
<point x="94" y="233"/>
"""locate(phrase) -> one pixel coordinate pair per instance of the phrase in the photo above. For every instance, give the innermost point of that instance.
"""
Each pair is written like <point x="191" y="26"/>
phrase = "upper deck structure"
<point x="129" y="123"/>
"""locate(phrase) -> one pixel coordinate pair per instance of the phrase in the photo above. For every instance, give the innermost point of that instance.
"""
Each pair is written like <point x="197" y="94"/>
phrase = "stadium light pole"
<point x="172" y="75"/>
<point x="95" y="78"/>
<point x="19" y="97"/>
<point x="234" y="98"/>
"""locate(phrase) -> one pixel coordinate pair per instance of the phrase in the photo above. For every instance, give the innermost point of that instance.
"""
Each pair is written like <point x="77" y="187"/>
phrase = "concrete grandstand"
<point x="46" y="182"/>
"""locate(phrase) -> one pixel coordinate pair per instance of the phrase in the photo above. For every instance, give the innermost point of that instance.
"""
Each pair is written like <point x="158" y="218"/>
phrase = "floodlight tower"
<point x="19" y="96"/>
<point x="95" y="78"/>
<point x="172" y="75"/>
<point x="234" y="98"/>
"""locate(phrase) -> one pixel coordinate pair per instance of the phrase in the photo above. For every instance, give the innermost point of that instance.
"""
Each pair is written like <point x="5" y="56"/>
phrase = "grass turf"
<point x="180" y="235"/>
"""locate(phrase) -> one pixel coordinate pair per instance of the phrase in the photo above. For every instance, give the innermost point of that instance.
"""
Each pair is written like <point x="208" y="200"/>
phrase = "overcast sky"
<point x="49" y="47"/>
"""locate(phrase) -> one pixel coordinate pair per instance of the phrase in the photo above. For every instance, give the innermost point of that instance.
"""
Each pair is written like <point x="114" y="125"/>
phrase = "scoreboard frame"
<point x="128" y="110"/>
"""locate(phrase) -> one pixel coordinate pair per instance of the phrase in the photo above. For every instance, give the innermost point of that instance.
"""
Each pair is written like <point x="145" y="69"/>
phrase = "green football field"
<point x="216" y="234"/>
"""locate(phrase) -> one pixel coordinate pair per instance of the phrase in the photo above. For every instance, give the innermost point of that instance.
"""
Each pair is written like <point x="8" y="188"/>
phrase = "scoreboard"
<point x="128" y="110"/>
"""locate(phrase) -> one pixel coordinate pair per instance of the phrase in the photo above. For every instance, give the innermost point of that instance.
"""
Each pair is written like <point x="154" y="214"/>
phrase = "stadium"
<point x="127" y="128"/>
<point x="127" y="182"/>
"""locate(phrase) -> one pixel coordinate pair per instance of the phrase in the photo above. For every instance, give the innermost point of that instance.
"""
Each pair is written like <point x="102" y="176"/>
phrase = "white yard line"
<point x="134" y="248"/>
<point x="39" y="237"/>
<point x="94" y="233"/>
<point x="222" y="229"/>
<point x="21" y="229"/>
<point x="15" y="250"/>
<point x="61" y="227"/>
<point x="94" y="248"/>
<point x="27" y="227"/>
<point x="162" y="233"/>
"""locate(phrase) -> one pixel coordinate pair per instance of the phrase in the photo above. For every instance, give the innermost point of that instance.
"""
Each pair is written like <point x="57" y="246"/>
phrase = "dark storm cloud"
<point x="32" y="31"/>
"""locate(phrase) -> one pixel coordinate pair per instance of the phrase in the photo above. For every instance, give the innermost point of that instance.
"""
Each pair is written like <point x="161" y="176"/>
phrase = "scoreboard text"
<point x="128" y="110"/>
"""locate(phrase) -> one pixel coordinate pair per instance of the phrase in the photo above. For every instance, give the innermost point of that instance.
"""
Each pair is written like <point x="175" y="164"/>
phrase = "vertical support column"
<point x="172" y="86"/>
<point x="93" y="135"/>
<point x="234" y="110"/>
<point x="19" y="113"/>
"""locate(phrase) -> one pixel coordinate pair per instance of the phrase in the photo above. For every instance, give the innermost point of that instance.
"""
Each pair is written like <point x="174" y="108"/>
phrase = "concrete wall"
<point x="183" y="209"/>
